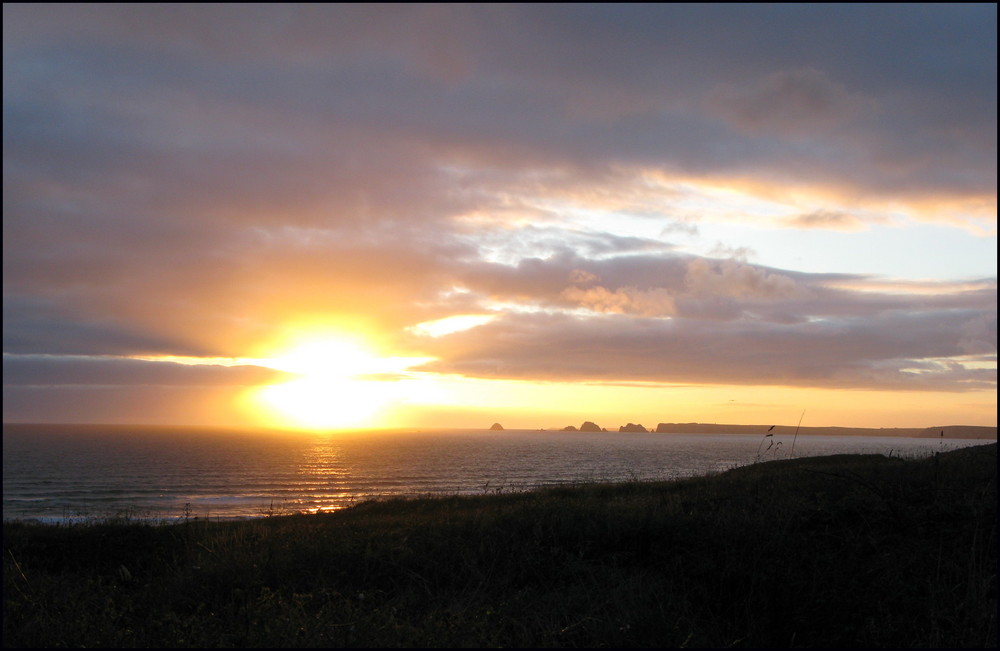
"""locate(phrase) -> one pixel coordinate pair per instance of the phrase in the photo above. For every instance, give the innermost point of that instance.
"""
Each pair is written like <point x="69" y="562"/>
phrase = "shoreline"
<point x="196" y="513"/>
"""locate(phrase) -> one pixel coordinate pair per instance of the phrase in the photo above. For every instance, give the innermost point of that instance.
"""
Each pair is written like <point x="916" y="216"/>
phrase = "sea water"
<point x="67" y="473"/>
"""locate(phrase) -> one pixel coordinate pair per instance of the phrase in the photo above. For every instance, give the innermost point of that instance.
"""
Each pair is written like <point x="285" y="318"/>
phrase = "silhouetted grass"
<point x="835" y="551"/>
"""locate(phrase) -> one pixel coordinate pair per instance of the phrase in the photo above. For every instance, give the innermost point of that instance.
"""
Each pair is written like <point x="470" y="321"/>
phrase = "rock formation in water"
<point x="496" y="426"/>
<point x="632" y="427"/>
<point x="589" y="427"/>
<point x="569" y="428"/>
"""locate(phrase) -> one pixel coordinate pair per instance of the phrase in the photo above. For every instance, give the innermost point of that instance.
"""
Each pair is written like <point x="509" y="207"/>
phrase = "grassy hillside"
<point x="832" y="551"/>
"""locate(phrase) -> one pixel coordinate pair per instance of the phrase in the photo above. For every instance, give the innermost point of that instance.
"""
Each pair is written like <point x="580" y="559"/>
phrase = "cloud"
<point x="796" y="102"/>
<point x="627" y="300"/>
<point x="736" y="279"/>
<point x="841" y="353"/>
<point x="103" y="389"/>
<point x="697" y="320"/>
<point x="79" y="370"/>
<point x="131" y="405"/>
<point x="582" y="277"/>
<point x="979" y="335"/>
<point x="37" y="325"/>
<point x="194" y="180"/>
<point x="308" y="98"/>
<point x="827" y="220"/>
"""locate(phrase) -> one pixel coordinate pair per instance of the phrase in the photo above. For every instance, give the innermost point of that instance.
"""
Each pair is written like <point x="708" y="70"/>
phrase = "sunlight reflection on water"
<point x="67" y="473"/>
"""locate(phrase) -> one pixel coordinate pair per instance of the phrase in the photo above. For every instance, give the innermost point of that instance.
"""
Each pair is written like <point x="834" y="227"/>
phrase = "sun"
<point x="340" y="384"/>
<point x="324" y="402"/>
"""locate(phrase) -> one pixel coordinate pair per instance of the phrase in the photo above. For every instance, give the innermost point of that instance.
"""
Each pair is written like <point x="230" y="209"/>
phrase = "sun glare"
<point x="340" y="385"/>
<point x="324" y="403"/>
<point x="329" y="358"/>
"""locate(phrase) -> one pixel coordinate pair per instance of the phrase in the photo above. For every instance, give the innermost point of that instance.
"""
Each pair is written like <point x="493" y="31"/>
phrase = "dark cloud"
<point x="896" y="351"/>
<point x="117" y="404"/>
<point x="238" y="83"/>
<point x="673" y="318"/>
<point x="42" y="327"/>
<point x="54" y="370"/>
<point x="795" y="102"/>
<point x="76" y="388"/>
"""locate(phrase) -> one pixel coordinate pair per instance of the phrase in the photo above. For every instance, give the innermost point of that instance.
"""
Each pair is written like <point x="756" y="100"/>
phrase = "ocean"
<point x="69" y="473"/>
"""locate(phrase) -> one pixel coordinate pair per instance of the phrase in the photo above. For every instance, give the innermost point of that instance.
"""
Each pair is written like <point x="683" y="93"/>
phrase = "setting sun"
<point x="324" y="402"/>
<point x="326" y="358"/>
<point x="340" y="384"/>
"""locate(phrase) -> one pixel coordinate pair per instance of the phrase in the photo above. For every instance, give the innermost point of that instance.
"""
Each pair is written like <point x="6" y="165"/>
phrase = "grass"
<point x="842" y="551"/>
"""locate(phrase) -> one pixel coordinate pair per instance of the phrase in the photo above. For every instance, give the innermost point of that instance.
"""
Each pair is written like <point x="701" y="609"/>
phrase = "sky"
<point x="450" y="215"/>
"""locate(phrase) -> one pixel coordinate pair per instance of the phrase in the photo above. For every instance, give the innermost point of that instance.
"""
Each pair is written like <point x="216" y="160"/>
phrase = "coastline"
<point x="946" y="431"/>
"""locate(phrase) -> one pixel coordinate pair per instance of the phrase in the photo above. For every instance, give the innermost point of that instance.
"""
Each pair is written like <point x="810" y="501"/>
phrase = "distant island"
<point x="496" y="427"/>
<point x="587" y="426"/>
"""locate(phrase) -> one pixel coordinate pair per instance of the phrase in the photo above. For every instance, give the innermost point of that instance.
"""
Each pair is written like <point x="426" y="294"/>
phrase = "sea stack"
<point x="589" y="427"/>
<point x="497" y="427"/>
<point x="632" y="427"/>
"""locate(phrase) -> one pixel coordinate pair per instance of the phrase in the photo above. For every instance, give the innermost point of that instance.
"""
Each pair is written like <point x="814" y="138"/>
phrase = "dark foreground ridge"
<point x="841" y="551"/>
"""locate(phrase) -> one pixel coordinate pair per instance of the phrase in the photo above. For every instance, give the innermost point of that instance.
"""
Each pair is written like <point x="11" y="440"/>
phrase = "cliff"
<point x="950" y="431"/>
